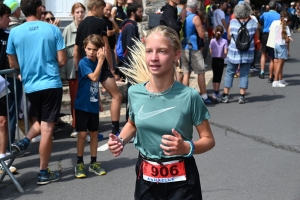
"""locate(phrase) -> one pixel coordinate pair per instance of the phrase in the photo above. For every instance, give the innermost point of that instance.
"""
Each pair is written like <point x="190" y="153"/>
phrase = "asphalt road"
<point x="256" y="156"/>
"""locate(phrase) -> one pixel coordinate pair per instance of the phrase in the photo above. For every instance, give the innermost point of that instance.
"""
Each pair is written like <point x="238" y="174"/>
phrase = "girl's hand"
<point x="101" y="54"/>
<point x="290" y="38"/>
<point x="174" y="145"/>
<point x="115" y="145"/>
<point x="56" y="23"/>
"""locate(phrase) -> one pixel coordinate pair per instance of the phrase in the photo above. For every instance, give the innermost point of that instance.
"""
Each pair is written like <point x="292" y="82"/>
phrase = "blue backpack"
<point x="119" y="48"/>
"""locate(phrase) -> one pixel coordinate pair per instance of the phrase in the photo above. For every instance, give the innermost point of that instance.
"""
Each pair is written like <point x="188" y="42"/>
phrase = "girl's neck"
<point x="76" y="23"/>
<point x="160" y="84"/>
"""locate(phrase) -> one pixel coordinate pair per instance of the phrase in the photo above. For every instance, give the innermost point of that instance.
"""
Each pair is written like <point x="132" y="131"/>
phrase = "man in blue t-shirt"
<point x="38" y="52"/>
<point x="267" y="18"/>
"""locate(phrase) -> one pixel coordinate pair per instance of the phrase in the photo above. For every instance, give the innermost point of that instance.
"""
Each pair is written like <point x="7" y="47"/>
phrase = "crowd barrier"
<point x="10" y="158"/>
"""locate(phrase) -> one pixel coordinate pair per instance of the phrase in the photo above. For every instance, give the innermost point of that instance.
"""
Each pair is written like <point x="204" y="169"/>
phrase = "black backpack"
<point x="243" y="39"/>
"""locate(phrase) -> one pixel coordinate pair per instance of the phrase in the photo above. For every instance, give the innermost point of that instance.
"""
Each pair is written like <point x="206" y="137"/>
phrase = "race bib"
<point x="168" y="172"/>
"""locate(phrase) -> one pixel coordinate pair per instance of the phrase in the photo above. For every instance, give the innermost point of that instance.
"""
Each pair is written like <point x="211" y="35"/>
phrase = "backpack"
<point x="243" y="39"/>
<point x="119" y="48"/>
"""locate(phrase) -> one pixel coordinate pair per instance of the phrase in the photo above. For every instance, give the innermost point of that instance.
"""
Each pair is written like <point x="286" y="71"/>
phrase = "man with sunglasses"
<point x="40" y="77"/>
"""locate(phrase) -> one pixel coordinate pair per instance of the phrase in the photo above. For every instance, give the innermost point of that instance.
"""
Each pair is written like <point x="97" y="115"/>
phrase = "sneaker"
<point x="241" y="100"/>
<point x="283" y="82"/>
<point x="270" y="80"/>
<point x="277" y="84"/>
<point x="207" y="101"/>
<point x="95" y="167"/>
<point x="214" y="98"/>
<point x="19" y="146"/>
<point x="79" y="171"/>
<point x="262" y="75"/>
<point x="74" y="134"/>
<point x="38" y="138"/>
<point x="253" y="69"/>
<point x="12" y="169"/>
<point x="100" y="137"/>
<point x="224" y="99"/>
<point x="49" y="178"/>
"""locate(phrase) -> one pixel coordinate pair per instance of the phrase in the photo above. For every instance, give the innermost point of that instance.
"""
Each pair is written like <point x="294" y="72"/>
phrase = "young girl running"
<point x="218" y="50"/>
<point x="282" y="37"/>
<point x="162" y="126"/>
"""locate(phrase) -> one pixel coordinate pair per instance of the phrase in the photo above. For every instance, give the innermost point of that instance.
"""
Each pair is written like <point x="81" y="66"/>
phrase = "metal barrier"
<point x="13" y="155"/>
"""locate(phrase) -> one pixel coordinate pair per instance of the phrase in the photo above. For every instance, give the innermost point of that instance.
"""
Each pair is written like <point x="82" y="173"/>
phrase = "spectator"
<point x="170" y="17"/>
<point x="88" y="103"/>
<point x="68" y="71"/>
<point x="219" y="18"/>
<point x="228" y="13"/>
<point x="191" y="55"/>
<point x="236" y="57"/>
<point x="4" y="22"/>
<point x="49" y="18"/>
<point x="93" y="24"/>
<point x="43" y="13"/>
<point x="42" y="83"/>
<point x="130" y="31"/>
<point x="14" y="22"/>
<point x="267" y="18"/>
<point x="118" y="11"/>
<point x="112" y="31"/>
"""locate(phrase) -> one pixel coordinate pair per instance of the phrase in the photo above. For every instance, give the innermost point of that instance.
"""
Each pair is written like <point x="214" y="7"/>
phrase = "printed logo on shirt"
<point x="93" y="91"/>
<point x="33" y="28"/>
<point x="142" y="115"/>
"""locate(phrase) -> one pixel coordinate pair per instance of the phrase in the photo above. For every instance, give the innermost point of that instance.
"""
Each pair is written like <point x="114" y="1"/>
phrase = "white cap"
<point x="293" y="3"/>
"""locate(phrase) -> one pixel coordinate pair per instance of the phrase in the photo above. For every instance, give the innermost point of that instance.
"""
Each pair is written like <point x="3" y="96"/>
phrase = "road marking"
<point x="103" y="147"/>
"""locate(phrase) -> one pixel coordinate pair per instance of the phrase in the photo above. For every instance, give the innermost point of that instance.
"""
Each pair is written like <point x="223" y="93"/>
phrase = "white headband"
<point x="219" y="32"/>
<point x="285" y="19"/>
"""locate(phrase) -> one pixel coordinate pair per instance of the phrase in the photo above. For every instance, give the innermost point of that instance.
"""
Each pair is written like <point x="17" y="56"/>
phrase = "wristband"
<point x="192" y="148"/>
<point x="122" y="141"/>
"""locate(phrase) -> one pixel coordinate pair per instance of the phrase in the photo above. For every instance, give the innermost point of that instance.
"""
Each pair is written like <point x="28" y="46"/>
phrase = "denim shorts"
<point x="280" y="52"/>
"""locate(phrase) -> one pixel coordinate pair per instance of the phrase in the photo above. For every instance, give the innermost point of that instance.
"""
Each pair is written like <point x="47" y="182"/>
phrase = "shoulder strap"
<point x="125" y="25"/>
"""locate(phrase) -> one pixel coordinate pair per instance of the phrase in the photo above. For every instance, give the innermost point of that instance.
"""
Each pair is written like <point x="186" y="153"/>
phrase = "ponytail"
<point x="283" y="32"/>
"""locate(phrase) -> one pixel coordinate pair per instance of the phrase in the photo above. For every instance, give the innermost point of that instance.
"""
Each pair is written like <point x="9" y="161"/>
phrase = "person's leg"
<point x="115" y="108"/>
<point x="13" y="117"/>
<point x="3" y="134"/>
<point x="93" y="143"/>
<point x="201" y="83"/>
<point x="185" y="67"/>
<point x="262" y="63"/>
<point x="46" y="143"/>
<point x="244" y="72"/>
<point x="186" y="79"/>
<point x="230" y="71"/>
<point x="271" y="69"/>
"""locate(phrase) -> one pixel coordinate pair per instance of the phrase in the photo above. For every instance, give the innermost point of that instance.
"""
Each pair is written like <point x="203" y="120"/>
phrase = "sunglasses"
<point x="51" y="18"/>
<point x="44" y="13"/>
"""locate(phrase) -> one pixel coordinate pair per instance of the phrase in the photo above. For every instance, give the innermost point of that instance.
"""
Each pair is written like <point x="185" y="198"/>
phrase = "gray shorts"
<point x="68" y="71"/>
<point x="197" y="61"/>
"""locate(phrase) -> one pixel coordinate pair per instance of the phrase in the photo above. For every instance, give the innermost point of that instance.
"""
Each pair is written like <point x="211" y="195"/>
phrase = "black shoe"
<point x="270" y="80"/>
<point x="262" y="76"/>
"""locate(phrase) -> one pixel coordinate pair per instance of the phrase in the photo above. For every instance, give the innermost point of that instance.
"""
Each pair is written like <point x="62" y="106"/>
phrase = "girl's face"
<point x="91" y="51"/>
<point x="160" y="55"/>
<point x="79" y="14"/>
<point x="49" y="18"/>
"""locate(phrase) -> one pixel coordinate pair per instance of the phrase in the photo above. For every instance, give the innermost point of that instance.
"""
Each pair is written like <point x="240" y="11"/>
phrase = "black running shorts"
<point x="3" y="108"/>
<point x="187" y="190"/>
<point x="264" y="40"/>
<point x="86" y="121"/>
<point x="105" y="74"/>
<point x="45" y="104"/>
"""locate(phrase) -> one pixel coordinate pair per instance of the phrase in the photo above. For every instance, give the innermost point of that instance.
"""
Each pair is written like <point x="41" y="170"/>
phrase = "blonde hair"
<point x="137" y="70"/>
<point x="116" y="3"/>
<point x="284" y="17"/>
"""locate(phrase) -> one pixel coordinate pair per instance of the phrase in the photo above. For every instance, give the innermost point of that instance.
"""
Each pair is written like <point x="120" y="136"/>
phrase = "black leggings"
<point x="217" y="67"/>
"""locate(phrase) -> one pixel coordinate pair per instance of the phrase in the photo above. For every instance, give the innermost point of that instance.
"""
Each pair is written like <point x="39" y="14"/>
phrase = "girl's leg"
<point x="280" y="73"/>
<point x="277" y="72"/>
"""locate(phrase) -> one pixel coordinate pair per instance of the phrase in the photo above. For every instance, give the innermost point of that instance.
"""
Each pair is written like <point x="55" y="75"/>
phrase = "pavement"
<point x="256" y="156"/>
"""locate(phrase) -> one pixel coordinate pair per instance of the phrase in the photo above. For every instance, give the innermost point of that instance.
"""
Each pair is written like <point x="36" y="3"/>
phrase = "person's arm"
<point x="198" y="24"/>
<point x="229" y="33"/>
<point x="76" y="56"/>
<point x="115" y="144"/>
<point x="226" y="48"/>
<point x="108" y="54"/>
<point x="101" y="57"/>
<point x="115" y="25"/>
<point x="224" y="24"/>
<point x="13" y="61"/>
<point x="175" y="145"/>
<point x="61" y="58"/>
<point x="114" y="12"/>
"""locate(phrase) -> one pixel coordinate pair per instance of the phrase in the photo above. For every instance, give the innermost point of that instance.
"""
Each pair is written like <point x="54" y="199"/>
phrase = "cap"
<point x="293" y="3"/>
<point x="12" y="4"/>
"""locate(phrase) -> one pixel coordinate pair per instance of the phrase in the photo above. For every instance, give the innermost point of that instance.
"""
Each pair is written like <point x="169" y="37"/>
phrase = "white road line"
<point x="103" y="147"/>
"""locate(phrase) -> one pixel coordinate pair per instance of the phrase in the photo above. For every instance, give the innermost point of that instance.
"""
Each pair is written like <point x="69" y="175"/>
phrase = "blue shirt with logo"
<point x="36" y="44"/>
<point x="87" y="98"/>
<point x="268" y="18"/>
